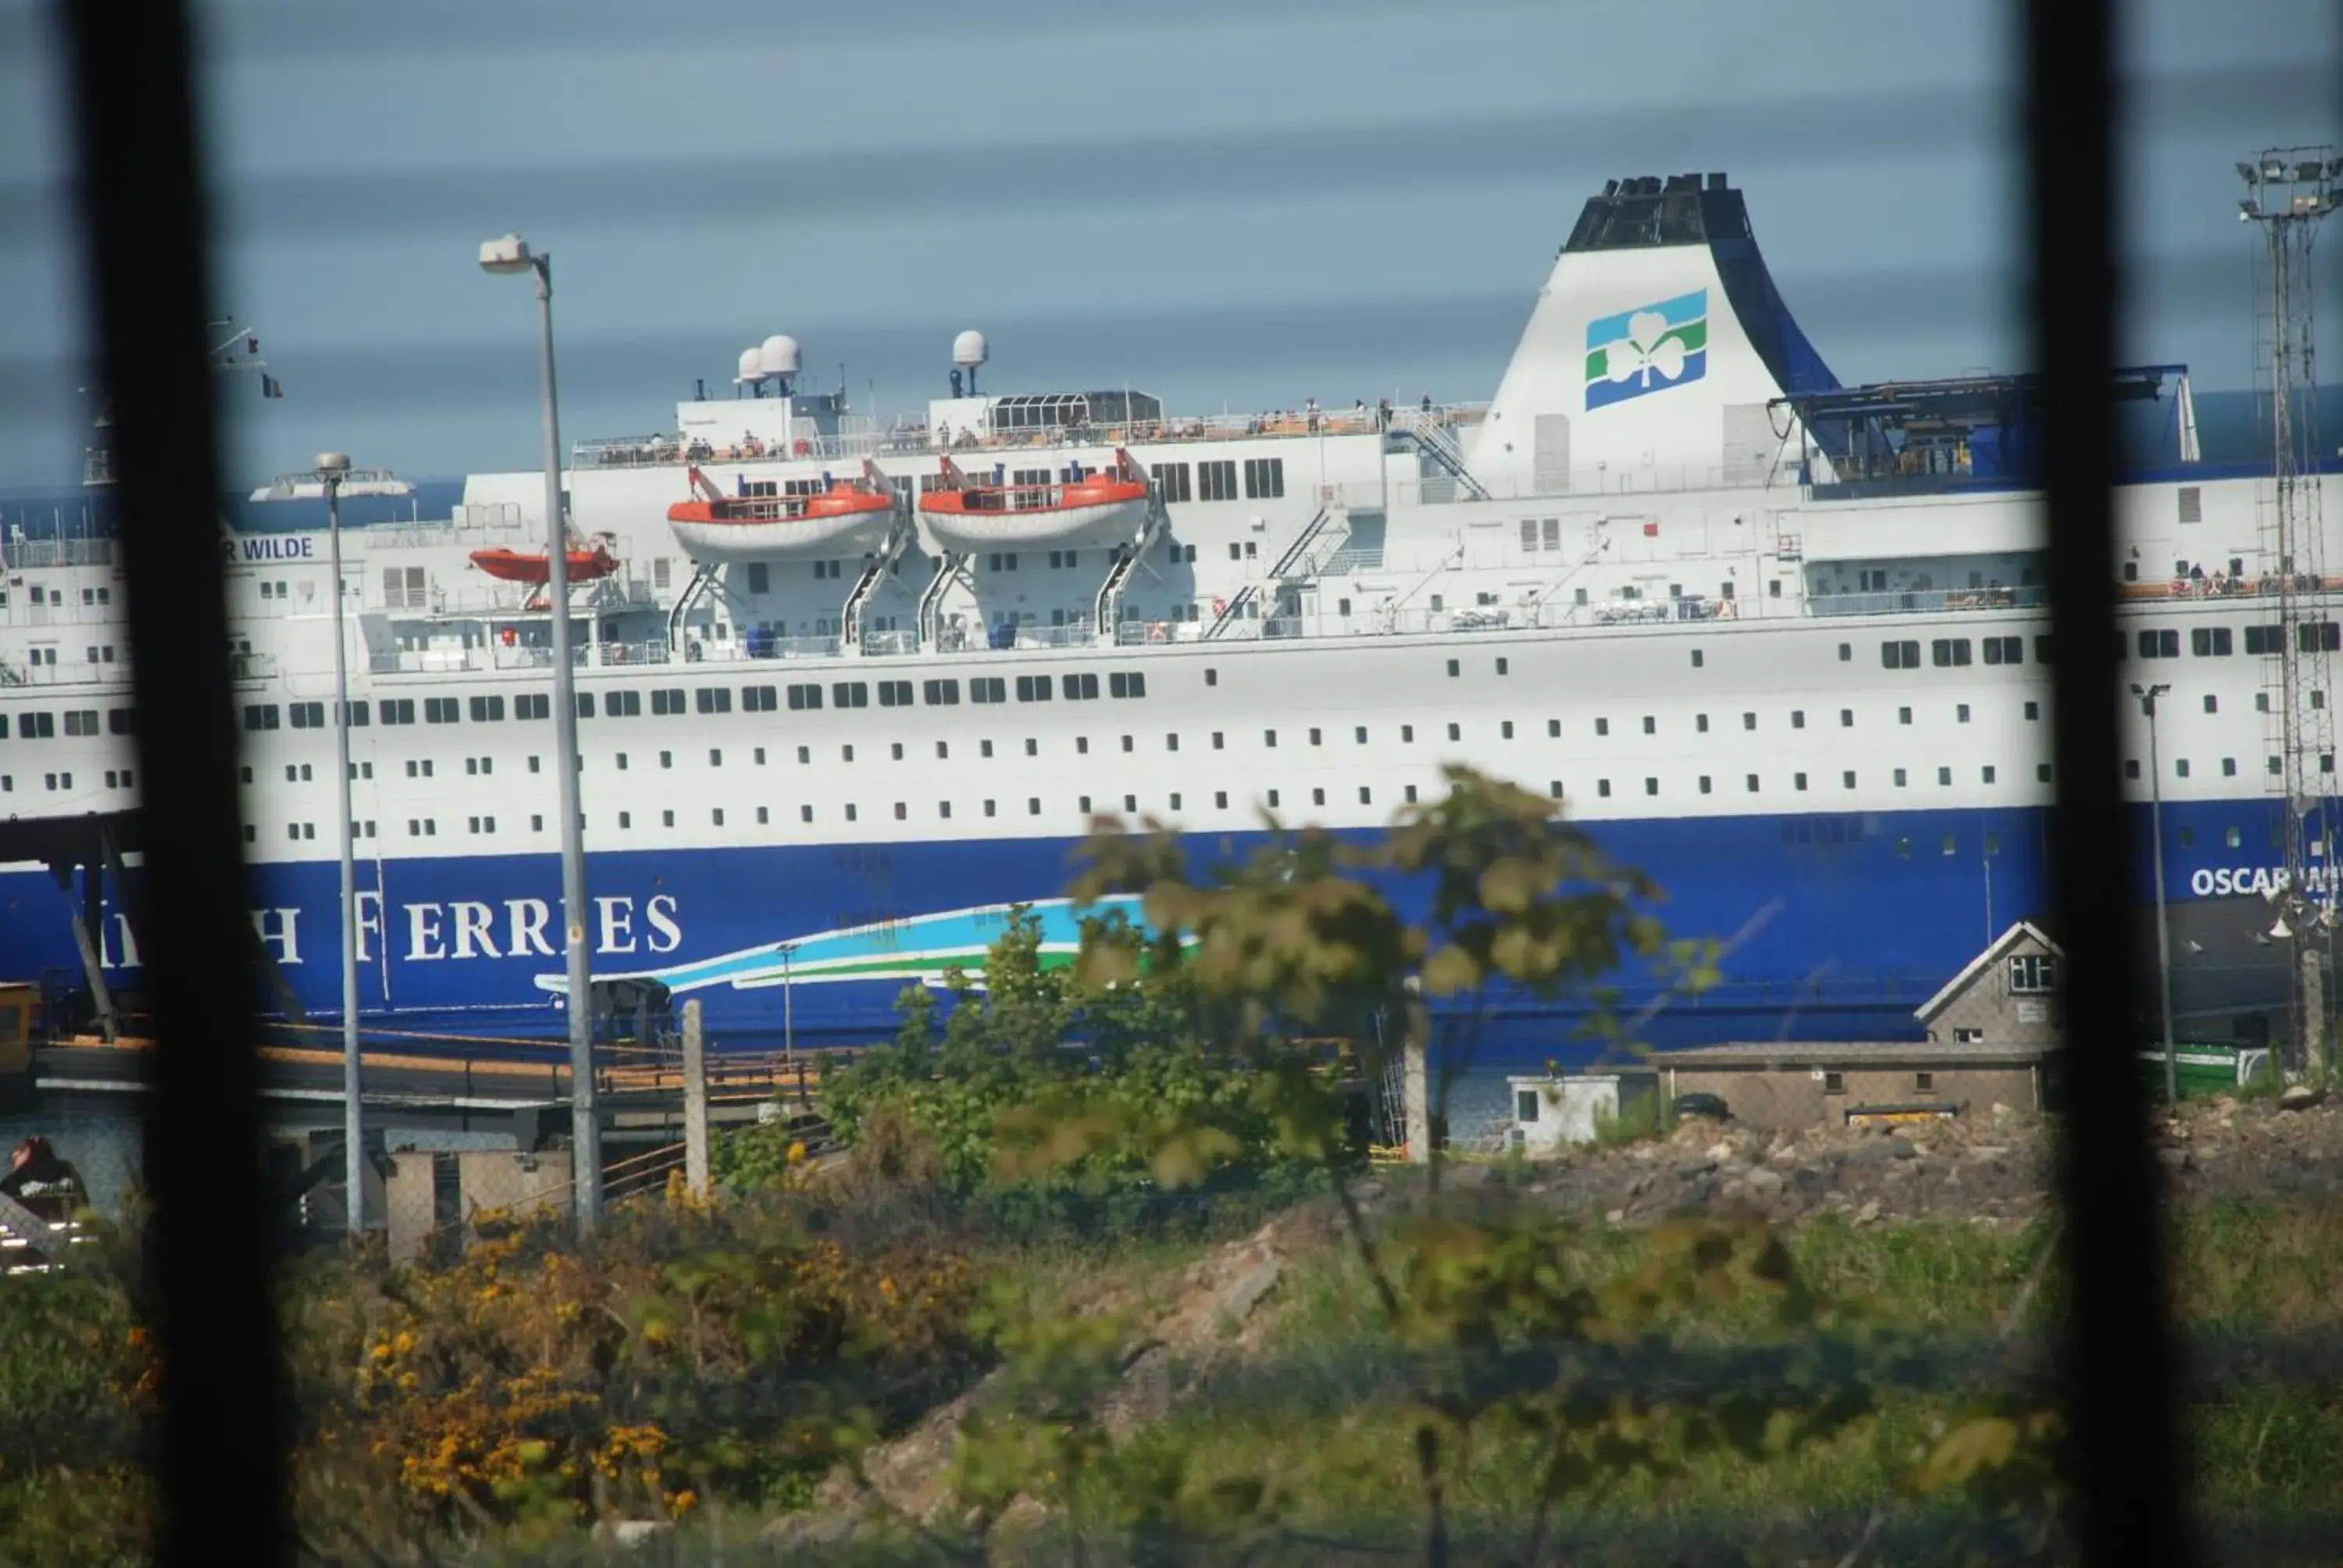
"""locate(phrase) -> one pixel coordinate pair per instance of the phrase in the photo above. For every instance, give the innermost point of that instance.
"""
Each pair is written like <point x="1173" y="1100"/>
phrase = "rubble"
<point x="1993" y="1164"/>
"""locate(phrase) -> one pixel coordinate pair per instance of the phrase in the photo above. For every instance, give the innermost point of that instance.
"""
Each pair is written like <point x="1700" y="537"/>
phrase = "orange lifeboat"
<point x="532" y="567"/>
<point x="971" y="515"/>
<point x="844" y="517"/>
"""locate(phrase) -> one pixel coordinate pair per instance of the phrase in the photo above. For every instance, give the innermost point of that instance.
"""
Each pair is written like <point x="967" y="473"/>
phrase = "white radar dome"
<point x="969" y="350"/>
<point x="332" y="462"/>
<point x="752" y="365"/>
<point x="780" y="355"/>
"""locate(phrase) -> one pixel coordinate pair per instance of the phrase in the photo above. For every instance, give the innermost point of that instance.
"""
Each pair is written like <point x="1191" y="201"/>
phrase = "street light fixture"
<point x="333" y="478"/>
<point x="507" y="256"/>
<point x="2147" y="696"/>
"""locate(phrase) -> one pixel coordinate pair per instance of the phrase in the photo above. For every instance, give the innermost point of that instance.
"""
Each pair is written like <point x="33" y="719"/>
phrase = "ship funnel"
<point x="1653" y="352"/>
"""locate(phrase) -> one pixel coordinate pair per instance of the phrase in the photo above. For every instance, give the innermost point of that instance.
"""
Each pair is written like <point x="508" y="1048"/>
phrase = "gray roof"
<point x="1859" y="1054"/>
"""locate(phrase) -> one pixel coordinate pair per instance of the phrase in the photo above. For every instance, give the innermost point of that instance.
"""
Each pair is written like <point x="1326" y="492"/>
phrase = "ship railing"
<point x="22" y="555"/>
<point x="1141" y="633"/>
<point x="462" y="523"/>
<point x="671" y="450"/>
<point x="1927" y="601"/>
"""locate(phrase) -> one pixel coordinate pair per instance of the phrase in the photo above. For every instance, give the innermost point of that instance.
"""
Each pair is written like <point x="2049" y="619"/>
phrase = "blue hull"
<point x="1840" y="924"/>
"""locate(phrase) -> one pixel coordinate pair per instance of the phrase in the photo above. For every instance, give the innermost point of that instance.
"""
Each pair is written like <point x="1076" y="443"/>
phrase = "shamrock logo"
<point x="1649" y="348"/>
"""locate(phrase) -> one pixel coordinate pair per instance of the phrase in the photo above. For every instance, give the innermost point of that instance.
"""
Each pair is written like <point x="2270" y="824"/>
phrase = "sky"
<point x="1238" y="203"/>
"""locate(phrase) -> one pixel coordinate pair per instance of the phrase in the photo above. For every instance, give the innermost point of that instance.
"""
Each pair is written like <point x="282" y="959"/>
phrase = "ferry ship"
<point x="848" y="693"/>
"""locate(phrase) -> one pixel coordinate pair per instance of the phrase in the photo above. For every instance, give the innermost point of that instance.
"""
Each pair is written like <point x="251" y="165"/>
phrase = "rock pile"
<point x="1991" y="1164"/>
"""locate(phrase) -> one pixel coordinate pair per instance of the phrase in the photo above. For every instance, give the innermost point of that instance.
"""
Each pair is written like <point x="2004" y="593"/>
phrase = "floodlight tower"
<point x="2288" y="190"/>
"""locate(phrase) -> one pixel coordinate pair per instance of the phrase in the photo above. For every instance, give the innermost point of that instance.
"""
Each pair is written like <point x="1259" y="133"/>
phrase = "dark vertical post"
<point x="222" y="1433"/>
<point x="2118" y="1346"/>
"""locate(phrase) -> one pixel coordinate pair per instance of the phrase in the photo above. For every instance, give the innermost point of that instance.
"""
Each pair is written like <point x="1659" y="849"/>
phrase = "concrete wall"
<point x="418" y="1204"/>
<point x="1792" y="1100"/>
<point x="1565" y="1110"/>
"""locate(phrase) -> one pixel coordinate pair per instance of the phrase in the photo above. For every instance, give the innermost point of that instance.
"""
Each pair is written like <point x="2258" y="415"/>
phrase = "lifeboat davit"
<point x="532" y="567"/>
<point x="966" y="516"/>
<point x="844" y="518"/>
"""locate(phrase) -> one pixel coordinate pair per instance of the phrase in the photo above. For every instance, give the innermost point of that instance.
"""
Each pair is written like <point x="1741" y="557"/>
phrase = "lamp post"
<point x="509" y="255"/>
<point x="2147" y="696"/>
<point x="333" y="478"/>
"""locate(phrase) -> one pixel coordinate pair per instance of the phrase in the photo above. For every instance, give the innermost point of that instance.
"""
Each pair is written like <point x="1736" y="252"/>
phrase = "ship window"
<point x="1171" y="481"/>
<point x="437" y="710"/>
<point x="1651" y="786"/>
<point x="1084" y="805"/>
<point x="894" y="694"/>
<point x="1944" y="775"/>
<point x="804" y="697"/>
<point x="1033" y="689"/>
<point x="2181" y="767"/>
<point x="1651" y="725"/>
<point x="1082" y="745"/>
<point x="667" y="699"/>
<point x="849" y="694"/>
<point x="1748" y="721"/>
<point x="1264" y="478"/>
<point x="2318" y="637"/>
<point x="398" y="710"/>
<point x="759" y="698"/>
<point x="1317" y="797"/>
<point x="1118" y="684"/>
<point x="2160" y="645"/>
<point x="1903" y="716"/>
<point x="941" y="693"/>
<point x="1947" y="651"/>
<point x="485" y="710"/>
<point x="1846" y="652"/>
<point x="1505" y="731"/>
<point x="1455" y="732"/>
<point x="118" y="722"/>
<point x="1961" y="712"/>
<point x="1846" y="779"/>
<point x="532" y="704"/>
<point x="1753" y="784"/>
<point x="805" y="813"/>
<point x="989" y="809"/>
<point x="2034" y="711"/>
<point x="2042" y="648"/>
<point x="712" y="698"/>
<point x="2042" y="771"/>
<point x="2210" y="641"/>
<point x="1704" y="784"/>
<point x="1985" y="775"/>
<point x="849" y="811"/>
<point x="308" y="715"/>
<point x="2131" y="768"/>
<point x="1900" y="655"/>
<point x="257" y="716"/>
<point x="1127" y="743"/>
<point x="84" y="720"/>
<point x="1601" y="727"/>
<point x="1454" y="668"/>
<point x="846" y="753"/>
<point x="622" y="703"/>
<point x="1407" y="734"/>
<point x="667" y="818"/>
<point x="1603" y="787"/>
<point x="715" y="758"/>
<point x="1217" y="482"/>
<point x="1797" y="780"/>
<point x="1797" y="718"/>
<point x="2192" y="503"/>
<point x="2229" y="769"/>
<point x="759" y="577"/>
<point x="1697" y="659"/>
<point x="1273" y="800"/>
<point x="2261" y="639"/>
<point x="987" y="688"/>
<point x="1211" y="678"/>
<point x="2004" y="650"/>
<point x="902" y="811"/>
<point x="1900" y="779"/>
<point x="1268" y="737"/>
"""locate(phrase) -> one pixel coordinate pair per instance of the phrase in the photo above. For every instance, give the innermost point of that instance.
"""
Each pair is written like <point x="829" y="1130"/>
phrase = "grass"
<point x="1345" y="1453"/>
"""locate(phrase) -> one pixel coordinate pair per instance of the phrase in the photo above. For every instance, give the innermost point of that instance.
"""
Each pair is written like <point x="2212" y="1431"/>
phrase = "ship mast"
<point x="2288" y="191"/>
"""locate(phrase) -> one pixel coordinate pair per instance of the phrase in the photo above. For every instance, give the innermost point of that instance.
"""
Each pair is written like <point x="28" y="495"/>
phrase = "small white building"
<point x="1552" y="1109"/>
